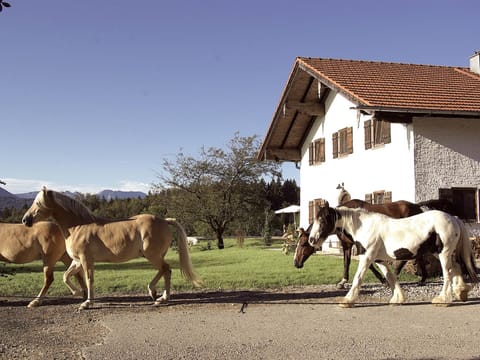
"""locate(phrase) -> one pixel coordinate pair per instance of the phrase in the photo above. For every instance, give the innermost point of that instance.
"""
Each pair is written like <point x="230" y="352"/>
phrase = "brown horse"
<point x="44" y="241"/>
<point x="397" y="210"/>
<point x="90" y="239"/>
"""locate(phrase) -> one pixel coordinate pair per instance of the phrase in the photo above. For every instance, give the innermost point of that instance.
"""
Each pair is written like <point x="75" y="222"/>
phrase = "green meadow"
<point x="253" y="266"/>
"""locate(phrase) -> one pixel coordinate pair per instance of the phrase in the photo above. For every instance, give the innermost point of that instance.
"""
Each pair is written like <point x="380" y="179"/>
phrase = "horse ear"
<point x="326" y="204"/>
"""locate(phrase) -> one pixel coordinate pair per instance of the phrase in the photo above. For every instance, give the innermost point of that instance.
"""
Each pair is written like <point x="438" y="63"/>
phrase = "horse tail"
<point x="186" y="266"/>
<point x="465" y="252"/>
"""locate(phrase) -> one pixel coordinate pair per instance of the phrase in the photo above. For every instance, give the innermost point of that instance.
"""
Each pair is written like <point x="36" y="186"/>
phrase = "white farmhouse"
<point x="388" y="131"/>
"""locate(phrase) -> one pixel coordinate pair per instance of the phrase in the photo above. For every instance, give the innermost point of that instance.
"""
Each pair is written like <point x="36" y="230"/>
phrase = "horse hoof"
<point x="344" y="303"/>
<point x="153" y="294"/>
<point x="34" y="303"/>
<point x="160" y="302"/>
<point x="438" y="301"/>
<point x="86" y="305"/>
<point x="463" y="296"/>
<point x="340" y="286"/>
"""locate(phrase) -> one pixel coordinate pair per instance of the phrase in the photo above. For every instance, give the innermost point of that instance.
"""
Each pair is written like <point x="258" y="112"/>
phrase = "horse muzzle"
<point x="27" y="220"/>
<point x="298" y="264"/>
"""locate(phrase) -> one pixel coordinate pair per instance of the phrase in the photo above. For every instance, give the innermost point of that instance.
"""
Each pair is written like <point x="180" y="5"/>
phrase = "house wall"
<point x="388" y="167"/>
<point x="447" y="154"/>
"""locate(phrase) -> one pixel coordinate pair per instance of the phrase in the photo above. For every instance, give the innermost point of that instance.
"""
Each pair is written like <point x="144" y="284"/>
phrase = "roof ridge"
<point x="382" y="62"/>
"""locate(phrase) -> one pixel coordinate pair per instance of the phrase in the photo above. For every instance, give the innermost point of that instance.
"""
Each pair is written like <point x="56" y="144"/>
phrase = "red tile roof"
<point x="401" y="86"/>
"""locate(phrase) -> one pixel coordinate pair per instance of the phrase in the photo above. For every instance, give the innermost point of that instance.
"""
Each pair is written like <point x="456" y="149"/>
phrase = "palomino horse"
<point x="383" y="238"/>
<point x="90" y="239"/>
<point x="44" y="241"/>
<point x="397" y="210"/>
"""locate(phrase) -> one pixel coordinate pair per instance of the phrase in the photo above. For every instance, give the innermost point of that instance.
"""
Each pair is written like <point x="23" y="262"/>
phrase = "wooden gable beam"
<point x="310" y="108"/>
<point x="279" y="154"/>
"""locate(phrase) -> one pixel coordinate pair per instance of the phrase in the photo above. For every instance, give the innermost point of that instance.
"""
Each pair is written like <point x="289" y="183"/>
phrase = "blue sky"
<point x="94" y="95"/>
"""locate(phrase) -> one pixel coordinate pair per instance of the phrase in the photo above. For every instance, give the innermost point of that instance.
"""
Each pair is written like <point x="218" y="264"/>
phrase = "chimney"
<point x="475" y="62"/>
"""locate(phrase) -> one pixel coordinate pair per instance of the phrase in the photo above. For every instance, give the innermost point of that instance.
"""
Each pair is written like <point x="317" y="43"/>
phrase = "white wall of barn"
<point x="447" y="154"/>
<point x="388" y="167"/>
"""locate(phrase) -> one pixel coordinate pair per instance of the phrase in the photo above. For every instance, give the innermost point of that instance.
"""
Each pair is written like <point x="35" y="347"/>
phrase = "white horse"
<point x="383" y="238"/>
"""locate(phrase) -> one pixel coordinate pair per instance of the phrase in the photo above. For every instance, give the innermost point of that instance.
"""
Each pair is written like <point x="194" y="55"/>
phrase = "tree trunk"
<point x="220" y="243"/>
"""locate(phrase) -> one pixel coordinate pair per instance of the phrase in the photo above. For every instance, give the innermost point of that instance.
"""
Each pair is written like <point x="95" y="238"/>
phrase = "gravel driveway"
<point x="289" y="323"/>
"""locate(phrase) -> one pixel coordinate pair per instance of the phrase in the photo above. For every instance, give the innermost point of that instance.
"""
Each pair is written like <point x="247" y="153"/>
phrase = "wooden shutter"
<point x="368" y="134"/>
<point x="386" y="133"/>
<point x="311" y="211"/>
<point x="335" y="145"/>
<point x="387" y="198"/>
<point x="349" y="140"/>
<point x="368" y="198"/>
<point x="310" y="154"/>
<point x="321" y="150"/>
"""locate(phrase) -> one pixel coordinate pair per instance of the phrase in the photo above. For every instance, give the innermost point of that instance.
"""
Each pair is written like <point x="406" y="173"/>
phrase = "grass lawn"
<point x="253" y="266"/>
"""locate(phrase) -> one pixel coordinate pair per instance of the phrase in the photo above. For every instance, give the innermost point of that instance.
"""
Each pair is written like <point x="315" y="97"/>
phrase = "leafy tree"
<point x="214" y="188"/>
<point x="4" y="4"/>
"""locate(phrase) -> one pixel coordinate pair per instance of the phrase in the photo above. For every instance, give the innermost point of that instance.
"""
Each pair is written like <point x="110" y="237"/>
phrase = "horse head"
<point x="323" y="225"/>
<point x="304" y="249"/>
<point x="40" y="209"/>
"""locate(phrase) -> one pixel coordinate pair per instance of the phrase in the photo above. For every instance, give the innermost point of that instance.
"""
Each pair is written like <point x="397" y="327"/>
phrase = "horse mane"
<point x="353" y="215"/>
<point x="73" y="206"/>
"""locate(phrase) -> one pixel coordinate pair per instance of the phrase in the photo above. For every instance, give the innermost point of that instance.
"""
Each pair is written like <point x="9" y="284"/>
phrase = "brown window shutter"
<point x="368" y="134"/>
<point x="350" y="140"/>
<point x="311" y="159"/>
<point x="386" y="133"/>
<point x="387" y="198"/>
<point x="335" y="145"/>
<point x="368" y="198"/>
<point x="311" y="210"/>
<point x="322" y="149"/>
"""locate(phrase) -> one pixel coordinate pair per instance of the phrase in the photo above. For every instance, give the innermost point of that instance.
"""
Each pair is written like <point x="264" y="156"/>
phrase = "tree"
<point x="213" y="188"/>
<point x="3" y="4"/>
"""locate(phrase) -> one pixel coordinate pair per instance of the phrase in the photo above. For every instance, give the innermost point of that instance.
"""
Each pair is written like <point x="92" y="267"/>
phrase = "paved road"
<point x="297" y="328"/>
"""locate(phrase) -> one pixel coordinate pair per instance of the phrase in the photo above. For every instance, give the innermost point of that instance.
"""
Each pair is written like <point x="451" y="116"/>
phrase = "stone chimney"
<point x="475" y="62"/>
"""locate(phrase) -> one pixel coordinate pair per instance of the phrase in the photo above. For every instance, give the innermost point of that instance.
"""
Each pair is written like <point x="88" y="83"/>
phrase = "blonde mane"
<point x="73" y="206"/>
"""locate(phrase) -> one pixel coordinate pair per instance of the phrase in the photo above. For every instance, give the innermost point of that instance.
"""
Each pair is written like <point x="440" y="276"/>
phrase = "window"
<point x="342" y="142"/>
<point x="316" y="152"/>
<point x="312" y="209"/>
<point x="379" y="197"/>
<point x="465" y="201"/>
<point x="377" y="132"/>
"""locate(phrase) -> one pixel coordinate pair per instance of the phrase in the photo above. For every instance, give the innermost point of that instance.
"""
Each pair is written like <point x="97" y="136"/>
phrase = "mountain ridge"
<point x="8" y="200"/>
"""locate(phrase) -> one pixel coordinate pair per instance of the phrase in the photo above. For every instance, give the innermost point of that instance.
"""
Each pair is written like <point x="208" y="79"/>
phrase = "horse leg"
<point x="397" y="296"/>
<point x="445" y="296"/>
<point x="423" y="268"/>
<point x="87" y="265"/>
<point x="67" y="260"/>
<point x="352" y="294"/>
<point x="347" y="256"/>
<point x="399" y="267"/>
<point x="377" y="274"/>
<point x="166" y="272"/>
<point x="74" y="268"/>
<point x="460" y="289"/>
<point x="47" y="281"/>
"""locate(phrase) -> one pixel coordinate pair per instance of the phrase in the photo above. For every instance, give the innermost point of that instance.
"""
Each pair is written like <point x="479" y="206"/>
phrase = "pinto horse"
<point x="397" y="210"/>
<point x="90" y="239"/>
<point x="383" y="238"/>
<point x="44" y="241"/>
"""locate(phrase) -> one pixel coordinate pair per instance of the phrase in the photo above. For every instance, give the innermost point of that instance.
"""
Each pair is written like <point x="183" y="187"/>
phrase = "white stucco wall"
<point x="387" y="167"/>
<point x="447" y="154"/>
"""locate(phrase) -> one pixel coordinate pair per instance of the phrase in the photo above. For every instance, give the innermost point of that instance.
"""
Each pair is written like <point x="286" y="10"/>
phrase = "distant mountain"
<point x="29" y="195"/>
<point x="115" y="194"/>
<point x="8" y="200"/>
